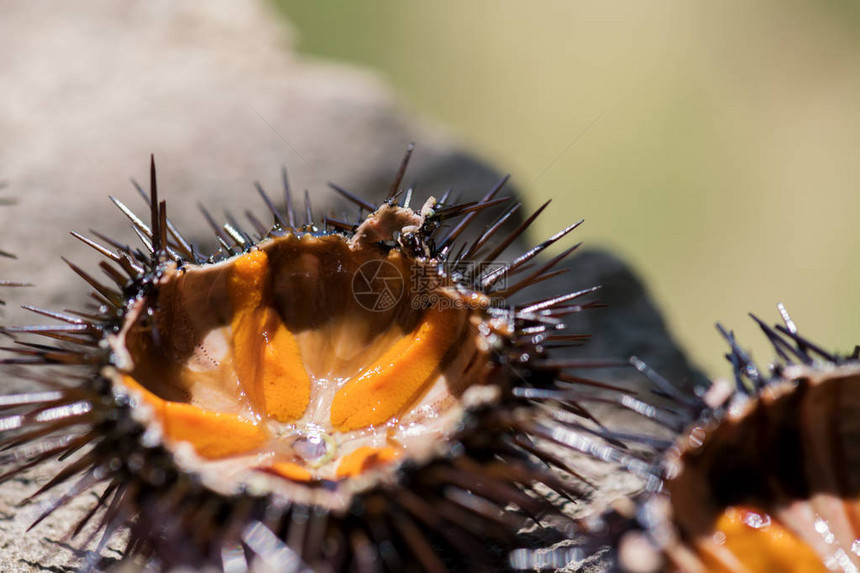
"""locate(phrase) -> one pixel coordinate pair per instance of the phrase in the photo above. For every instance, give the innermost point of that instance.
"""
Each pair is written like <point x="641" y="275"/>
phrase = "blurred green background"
<point x="714" y="145"/>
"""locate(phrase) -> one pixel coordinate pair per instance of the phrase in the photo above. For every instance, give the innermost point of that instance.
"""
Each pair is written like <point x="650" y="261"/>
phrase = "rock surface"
<point x="90" y="89"/>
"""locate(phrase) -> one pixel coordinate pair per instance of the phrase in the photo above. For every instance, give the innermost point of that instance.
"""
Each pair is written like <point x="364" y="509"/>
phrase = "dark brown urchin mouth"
<point x="442" y="395"/>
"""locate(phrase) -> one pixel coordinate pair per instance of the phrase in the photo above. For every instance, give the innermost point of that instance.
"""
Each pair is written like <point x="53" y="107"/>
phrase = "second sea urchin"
<point x="764" y="477"/>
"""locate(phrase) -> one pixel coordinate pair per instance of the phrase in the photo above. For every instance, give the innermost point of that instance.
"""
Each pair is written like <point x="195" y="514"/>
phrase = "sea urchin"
<point x="335" y="398"/>
<point x="766" y="477"/>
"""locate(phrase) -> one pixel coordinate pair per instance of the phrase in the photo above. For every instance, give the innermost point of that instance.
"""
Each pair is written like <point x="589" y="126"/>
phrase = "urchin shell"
<point x="454" y="505"/>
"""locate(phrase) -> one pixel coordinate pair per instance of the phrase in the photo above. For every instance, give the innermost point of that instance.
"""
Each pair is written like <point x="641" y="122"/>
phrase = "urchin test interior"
<point x="274" y="359"/>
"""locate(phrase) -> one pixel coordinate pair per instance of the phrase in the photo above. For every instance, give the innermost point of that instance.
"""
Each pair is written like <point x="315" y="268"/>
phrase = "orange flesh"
<point x="365" y="458"/>
<point x="214" y="435"/>
<point x="267" y="356"/>
<point x="291" y="471"/>
<point x="769" y="548"/>
<point x="393" y="381"/>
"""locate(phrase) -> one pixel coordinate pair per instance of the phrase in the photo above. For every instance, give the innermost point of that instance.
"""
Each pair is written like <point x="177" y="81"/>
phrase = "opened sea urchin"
<point x="313" y="396"/>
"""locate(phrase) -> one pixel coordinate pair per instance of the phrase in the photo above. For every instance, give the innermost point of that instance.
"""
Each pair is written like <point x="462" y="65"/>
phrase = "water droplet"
<point x="756" y="520"/>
